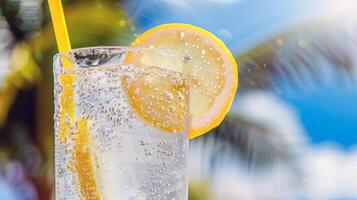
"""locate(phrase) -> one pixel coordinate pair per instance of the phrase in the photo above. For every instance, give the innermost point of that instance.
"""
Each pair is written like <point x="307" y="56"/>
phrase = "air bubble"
<point x="182" y="35"/>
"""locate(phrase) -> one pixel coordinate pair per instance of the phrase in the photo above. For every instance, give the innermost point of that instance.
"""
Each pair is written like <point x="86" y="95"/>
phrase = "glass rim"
<point x="113" y="50"/>
<point x="118" y="49"/>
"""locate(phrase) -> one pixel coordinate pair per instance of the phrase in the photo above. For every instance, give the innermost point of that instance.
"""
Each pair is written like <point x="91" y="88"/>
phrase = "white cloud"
<point x="345" y="9"/>
<point x="235" y="182"/>
<point x="268" y="110"/>
<point x="327" y="171"/>
<point x="330" y="173"/>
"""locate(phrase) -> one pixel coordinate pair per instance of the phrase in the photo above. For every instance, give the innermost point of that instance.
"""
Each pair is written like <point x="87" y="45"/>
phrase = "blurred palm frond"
<point x="250" y="143"/>
<point x="18" y="70"/>
<point x="299" y="53"/>
<point x="250" y="140"/>
<point x="291" y="57"/>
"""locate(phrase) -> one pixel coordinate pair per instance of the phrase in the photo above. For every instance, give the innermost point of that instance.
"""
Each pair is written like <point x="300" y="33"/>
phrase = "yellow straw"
<point x="59" y="24"/>
<point x="87" y="182"/>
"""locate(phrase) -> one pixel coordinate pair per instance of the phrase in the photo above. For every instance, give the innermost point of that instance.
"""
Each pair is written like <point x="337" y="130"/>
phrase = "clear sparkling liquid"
<point x="131" y="159"/>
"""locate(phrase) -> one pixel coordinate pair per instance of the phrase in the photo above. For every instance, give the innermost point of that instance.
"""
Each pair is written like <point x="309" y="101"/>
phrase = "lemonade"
<point x="123" y="115"/>
<point x="109" y="148"/>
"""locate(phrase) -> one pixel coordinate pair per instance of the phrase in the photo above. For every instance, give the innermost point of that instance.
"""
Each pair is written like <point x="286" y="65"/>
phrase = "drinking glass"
<point x="121" y="117"/>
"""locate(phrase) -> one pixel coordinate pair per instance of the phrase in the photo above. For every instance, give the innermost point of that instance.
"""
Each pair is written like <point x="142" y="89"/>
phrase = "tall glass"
<point x="120" y="124"/>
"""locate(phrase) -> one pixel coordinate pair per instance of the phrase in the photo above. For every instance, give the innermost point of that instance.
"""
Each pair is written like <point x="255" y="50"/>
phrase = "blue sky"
<point x="248" y="21"/>
<point x="328" y="113"/>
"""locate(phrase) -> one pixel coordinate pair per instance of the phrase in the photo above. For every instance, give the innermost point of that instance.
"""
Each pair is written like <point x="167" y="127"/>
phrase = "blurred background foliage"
<point x="263" y="147"/>
<point x="27" y="46"/>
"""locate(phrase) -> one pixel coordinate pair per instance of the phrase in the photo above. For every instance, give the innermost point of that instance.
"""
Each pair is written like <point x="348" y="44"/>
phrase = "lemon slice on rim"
<point x="213" y="71"/>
